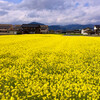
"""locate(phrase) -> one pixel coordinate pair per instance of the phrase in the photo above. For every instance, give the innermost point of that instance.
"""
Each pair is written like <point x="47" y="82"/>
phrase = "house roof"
<point x="98" y="26"/>
<point x="30" y="25"/>
<point x="44" y="27"/>
<point x="88" y="28"/>
<point x="5" y="26"/>
<point x="17" y="27"/>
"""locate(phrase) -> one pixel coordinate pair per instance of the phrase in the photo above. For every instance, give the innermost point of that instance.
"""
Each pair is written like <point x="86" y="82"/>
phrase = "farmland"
<point x="49" y="67"/>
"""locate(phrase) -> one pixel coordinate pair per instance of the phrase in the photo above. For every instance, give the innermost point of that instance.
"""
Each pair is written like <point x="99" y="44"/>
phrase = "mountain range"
<point x="66" y="27"/>
<point x="36" y="23"/>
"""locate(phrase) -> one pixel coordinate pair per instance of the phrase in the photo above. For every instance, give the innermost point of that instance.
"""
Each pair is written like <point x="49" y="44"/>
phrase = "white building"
<point x="85" y="31"/>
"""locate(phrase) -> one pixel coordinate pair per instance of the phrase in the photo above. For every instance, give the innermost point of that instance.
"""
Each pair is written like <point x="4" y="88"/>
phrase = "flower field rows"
<point x="49" y="67"/>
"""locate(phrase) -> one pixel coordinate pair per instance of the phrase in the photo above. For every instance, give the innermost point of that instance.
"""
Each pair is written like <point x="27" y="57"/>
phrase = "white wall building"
<point x="85" y="31"/>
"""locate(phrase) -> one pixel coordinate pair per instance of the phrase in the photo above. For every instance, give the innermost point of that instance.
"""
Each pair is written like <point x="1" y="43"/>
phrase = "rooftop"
<point x="30" y="25"/>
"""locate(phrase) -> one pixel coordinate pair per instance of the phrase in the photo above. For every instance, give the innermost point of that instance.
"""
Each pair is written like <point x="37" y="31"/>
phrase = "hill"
<point x="70" y="27"/>
<point x="36" y="23"/>
<point x="65" y="27"/>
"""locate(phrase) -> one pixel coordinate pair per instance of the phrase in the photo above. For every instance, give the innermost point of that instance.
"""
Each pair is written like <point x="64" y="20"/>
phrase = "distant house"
<point x="34" y="28"/>
<point x="58" y="31"/>
<point x="97" y="29"/>
<point x="64" y="32"/>
<point x="68" y="32"/>
<point x="77" y="31"/>
<point x="17" y="29"/>
<point x="86" y="31"/>
<point x="44" y="28"/>
<point x="30" y="28"/>
<point x="5" y="28"/>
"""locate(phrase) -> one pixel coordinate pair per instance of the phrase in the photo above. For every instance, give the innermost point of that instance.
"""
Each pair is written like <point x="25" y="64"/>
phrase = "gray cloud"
<point x="51" y="11"/>
<point x="43" y="4"/>
<point x="2" y="13"/>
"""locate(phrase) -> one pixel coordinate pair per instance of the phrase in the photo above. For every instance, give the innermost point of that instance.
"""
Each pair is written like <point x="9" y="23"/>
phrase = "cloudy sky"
<point x="62" y="12"/>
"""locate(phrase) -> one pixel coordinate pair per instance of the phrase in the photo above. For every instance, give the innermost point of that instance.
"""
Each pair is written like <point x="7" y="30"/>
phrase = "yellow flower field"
<point x="49" y="67"/>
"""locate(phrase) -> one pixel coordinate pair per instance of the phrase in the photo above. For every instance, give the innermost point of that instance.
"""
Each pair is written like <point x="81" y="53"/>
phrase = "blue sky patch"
<point x="14" y="1"/>
<point x="77" y="4"/>
<point x="86" y="5"/>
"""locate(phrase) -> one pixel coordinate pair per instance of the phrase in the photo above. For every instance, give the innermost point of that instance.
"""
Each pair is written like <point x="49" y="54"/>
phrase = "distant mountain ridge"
<point x="70" y="27"/>
<point x="36" y="23"/>
<point x="66" y="27"/>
